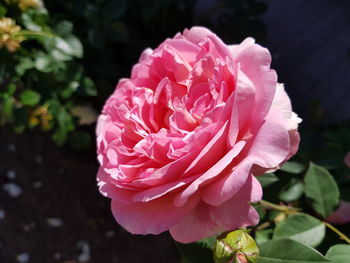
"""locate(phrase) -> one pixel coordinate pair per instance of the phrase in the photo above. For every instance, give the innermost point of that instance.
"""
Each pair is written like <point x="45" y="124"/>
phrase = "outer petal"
<point x="269" y="148"/>
<point x="281" y="103"/>
<point x="206" y="220"/>
<point x="255" y="61"/>
<point x="161" y="190"/>
<point x="244" y="97"/>
<point x="151" y="217"/>
<point x="294" y="143"/>
<point x="108" y="189"/>
<point x="197" y="34"/>
<point x="214" y="171"/>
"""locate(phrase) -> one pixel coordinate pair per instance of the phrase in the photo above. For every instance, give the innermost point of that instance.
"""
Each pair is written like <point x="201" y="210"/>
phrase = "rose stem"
<point x="340" y="234"/>
<point x="282" y="208"/>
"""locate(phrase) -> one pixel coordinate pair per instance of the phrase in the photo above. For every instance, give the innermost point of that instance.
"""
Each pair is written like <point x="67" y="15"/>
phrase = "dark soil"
<point x="59" y="216"/>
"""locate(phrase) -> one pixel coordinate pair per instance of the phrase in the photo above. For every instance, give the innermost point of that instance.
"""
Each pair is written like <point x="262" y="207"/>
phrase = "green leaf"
<point x="24" y="64"/>
<point x="321" y="190"/>
<point x="292" y="191"/>
<point x="59" y="55"/>
<point x="30" y="23"/>
<point x="262" y="236"/>
<point x="267" y="179"/>
<point x="65" y="120"/>
<point x="30" y="97"/>
<point x="197" y="252"/>
<point x="69" y="89"/>
<point x="261" y="210"/>
<point x="293" y="167"/>
<point x="3" y="11"/>
<point x="69" y="45"/>
<point x="60" y="136"/>
<point x="339" y="253"/>
<point x="65" y="44"/>
<point x="87" y="87"/>
<point x="64" y="28"/>
<point x="303" y="228"/>
<point x="289" y="251"/>
<point x="6" y="108"/>
<point x="43" y="63"/>
<point x="65" y="123"/>
<point x="8" y="90"/>
<point x="54" y="108"/>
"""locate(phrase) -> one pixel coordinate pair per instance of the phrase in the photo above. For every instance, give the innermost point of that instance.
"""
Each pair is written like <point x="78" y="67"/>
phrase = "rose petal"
<point x="151" y="217"/>
<point x="269" y="148"/>
<point x="206" y="220"/>
<point x="215" y="170"/>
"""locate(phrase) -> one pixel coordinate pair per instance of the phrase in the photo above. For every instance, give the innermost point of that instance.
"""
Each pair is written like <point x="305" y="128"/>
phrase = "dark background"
<point x="309" y="42"/>
<point x="310" y="46"/>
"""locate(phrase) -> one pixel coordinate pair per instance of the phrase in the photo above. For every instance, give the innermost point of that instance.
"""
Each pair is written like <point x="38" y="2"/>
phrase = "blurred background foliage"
<point x="62" y="59"/>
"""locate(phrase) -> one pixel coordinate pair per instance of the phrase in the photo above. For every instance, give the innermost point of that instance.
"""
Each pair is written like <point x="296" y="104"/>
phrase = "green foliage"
<point x="267" y="179"/>
<point x="287" y="234"/>
<point x="339" y="253"/>
<point x="43" y="79"/>
<point x="292" y="191"/>
<point x="288" y="251"/>
<point x="71" y="45"/>
<point x="29" y="97"/>
<point x="263" y="236"/>
<point x="293" y="167"/>
<point x="321" y="189"/>
<point x="301" y="227"/>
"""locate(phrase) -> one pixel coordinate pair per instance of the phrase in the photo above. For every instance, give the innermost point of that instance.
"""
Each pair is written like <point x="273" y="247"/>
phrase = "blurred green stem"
<point x="340" y="234"/>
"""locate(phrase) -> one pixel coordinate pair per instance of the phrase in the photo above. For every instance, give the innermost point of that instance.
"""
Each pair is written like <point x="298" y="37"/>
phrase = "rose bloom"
<point x="181" y="141"/>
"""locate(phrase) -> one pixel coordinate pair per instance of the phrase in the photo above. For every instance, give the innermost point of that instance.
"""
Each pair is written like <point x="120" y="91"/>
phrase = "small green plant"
<point x="41" y="76"/>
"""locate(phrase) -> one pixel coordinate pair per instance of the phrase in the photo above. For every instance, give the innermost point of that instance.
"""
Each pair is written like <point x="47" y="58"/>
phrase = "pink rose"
<point x="181" y="141"/>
